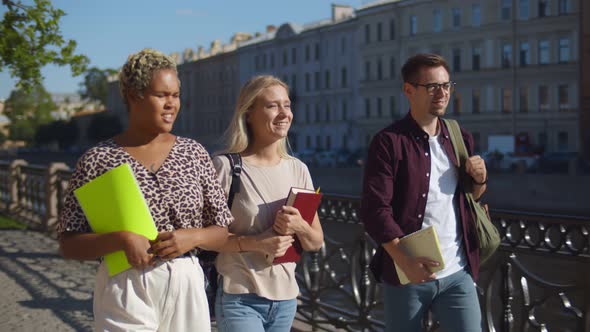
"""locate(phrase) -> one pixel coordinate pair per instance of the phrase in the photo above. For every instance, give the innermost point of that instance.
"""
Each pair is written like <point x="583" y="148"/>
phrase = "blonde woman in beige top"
<point x="255" y="294"/>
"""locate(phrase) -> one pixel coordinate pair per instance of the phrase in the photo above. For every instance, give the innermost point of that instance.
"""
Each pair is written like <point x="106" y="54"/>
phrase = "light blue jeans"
<point x="453" y="301"/>
<point x="252" y="313"/>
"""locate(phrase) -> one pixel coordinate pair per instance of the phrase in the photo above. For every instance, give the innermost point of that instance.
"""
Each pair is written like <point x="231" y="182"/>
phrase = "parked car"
<point x="556" y="162"/>
<point x="326" y="158"/>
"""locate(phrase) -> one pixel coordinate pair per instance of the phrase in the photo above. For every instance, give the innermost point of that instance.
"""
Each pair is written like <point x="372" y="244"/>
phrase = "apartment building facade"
<point x="516" y="64"/>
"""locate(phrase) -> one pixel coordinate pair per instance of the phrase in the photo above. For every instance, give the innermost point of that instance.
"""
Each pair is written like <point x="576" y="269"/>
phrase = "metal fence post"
<point x="15" y="174"/>
<point x="51" y="195"/>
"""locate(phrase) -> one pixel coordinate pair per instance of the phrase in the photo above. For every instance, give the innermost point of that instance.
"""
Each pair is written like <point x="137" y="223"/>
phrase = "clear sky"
<point x="107" y="31"/>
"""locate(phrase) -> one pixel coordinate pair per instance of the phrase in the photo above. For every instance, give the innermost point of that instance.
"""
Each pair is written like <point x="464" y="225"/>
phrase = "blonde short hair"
<point x="238" y="135"/>
<point x="137" y="72"/>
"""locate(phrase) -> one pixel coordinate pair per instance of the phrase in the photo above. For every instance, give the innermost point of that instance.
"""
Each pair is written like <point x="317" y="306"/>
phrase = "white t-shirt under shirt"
<point x="263" y="191"/>
<point x="441" y="211"/>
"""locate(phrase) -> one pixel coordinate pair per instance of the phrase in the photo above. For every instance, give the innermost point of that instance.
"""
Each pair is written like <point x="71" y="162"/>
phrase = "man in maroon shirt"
<point x="411" y="182"/>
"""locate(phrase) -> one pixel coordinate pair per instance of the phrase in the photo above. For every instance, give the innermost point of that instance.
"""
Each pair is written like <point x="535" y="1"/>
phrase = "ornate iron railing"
<point x="519" y="290"/>
<point x="537" y="281"/>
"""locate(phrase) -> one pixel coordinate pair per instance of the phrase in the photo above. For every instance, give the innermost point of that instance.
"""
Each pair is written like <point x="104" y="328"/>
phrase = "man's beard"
<point x="438" y="112"/>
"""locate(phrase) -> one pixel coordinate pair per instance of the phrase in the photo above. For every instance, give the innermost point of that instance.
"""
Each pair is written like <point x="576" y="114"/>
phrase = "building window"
<point x="285" y="58"/>
<point x="436" y="20"/>
<point x="343" y="45"/>
<point x="293" y="83"/>
<point x="413" y="25"/>
<point x="457" y="103"/>
<point x="506" y="55"/>
<point x="475" y="101"/>
<point x="264" y="61"/>
<point x="327" y="74"/>
<point x="456" y="15"/>
<point x="367" y="108"/>
<point x="392" y="108"/>
<point x="456" y="60"/>
<point x="506" y="100"/>
<point x="543" y="52"/>
<point x="524" y="99"/>
<point x="307" y="53"/>
<point x="367" y="33"/>
<point x="308" y="142"/>
<point x="344" y="76"/>
<point x="542" y="140"/>
<point x="392" y="68"/>
<point x="476" y="15"/>
<point x="543" y="8"/>
<point x="564" y="50"/>
<point x="317" y="81"/>
<point x="328" y="112"/>
<point x="317" y="113"/>
<point x="379" y="69"/>
<point x="563" y="99"/>
<point x="523" y="9"/>
<point x="525" y="54"/>
<point x="328" y="142"/>
<point x="345" y="142"/>
<point x="307" y="114"/>
<point x="318" y="142"/>
<point x="392" y="29"/>
<point x="543" y="98"/>
<point x="379" y="31"/>
<point x="475" y="58"/>
<point x="379" y="108"/>
<point x="307" y="82"/>
<point x="563" y="7"/>
<point x="506" y="10"/>
<point x="293" y="56"/>
<point x="317" y="51"/>
<point x="476" y="142"/>
<point x="344" y="110"/>
<point x="562" y="141"/>
<point x="367" y="70"/>
<point x="272" y="60"/>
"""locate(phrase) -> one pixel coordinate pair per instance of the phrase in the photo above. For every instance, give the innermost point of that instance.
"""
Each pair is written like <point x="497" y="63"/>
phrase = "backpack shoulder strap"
<point x="235" y="161"/>
<point x="460" y="152"/>
<point x="457" y="141"/>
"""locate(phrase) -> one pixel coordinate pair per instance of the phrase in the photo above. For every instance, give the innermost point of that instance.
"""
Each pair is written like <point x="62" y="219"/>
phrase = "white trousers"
<point x="168" y="297"/>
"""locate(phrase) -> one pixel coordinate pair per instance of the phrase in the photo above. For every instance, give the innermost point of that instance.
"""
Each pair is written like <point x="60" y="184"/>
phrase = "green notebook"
<point x="113" y="202"/>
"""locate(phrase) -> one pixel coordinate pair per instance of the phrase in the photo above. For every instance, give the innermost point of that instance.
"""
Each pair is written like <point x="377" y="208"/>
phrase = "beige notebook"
<point x="422" y="243"/>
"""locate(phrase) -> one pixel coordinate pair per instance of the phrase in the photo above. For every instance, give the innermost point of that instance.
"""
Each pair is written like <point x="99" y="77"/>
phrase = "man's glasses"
<point x="431" y="88"/>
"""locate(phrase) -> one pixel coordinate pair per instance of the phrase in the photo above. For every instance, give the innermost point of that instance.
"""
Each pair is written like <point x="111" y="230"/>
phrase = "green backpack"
<point x="487" y="233"/>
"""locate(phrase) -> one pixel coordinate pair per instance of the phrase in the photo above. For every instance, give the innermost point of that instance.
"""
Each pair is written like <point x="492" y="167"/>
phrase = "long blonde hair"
<point x="238" y="135"/>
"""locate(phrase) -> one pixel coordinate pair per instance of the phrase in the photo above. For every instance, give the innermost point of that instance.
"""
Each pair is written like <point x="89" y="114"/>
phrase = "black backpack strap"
<point x="235" y="161"/>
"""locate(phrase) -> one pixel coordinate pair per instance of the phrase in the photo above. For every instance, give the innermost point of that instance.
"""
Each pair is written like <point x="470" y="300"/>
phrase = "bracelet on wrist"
<point x="481" y="183"/>
<point x="239" y="244"/>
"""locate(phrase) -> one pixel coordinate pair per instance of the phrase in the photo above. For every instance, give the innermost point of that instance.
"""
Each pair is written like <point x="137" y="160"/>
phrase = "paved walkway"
<point x="40" y="291"/>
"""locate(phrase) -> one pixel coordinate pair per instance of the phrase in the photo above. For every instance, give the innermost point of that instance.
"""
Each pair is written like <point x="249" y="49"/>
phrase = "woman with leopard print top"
<point x="164" y="291"/>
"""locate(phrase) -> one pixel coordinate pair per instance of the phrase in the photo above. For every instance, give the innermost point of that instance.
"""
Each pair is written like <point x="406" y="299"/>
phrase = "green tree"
<point x="104" y="125"/>
<point x="31" y="38"/>
<point x="96" y="85"/>
<point x="65" y="133"/>
<point x="27" y="111"/>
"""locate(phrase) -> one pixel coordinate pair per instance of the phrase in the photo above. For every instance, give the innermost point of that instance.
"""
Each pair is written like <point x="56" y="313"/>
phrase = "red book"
<point x="307" y="202"/>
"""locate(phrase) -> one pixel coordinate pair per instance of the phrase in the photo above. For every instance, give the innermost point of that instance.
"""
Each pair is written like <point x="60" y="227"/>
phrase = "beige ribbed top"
<point x="262" y="193"/>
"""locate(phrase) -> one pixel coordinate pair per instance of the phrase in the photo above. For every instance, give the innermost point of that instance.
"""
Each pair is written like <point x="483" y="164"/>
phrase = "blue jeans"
<point x="453" y="301"/>
<point x="252" y="313"/>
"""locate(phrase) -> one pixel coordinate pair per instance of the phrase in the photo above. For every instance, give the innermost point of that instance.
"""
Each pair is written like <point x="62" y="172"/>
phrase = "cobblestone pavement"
<point x="41" y="291"/>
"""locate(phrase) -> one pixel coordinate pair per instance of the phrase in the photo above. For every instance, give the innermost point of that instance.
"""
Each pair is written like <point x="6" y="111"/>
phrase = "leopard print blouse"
<point x="183" y="193"/>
